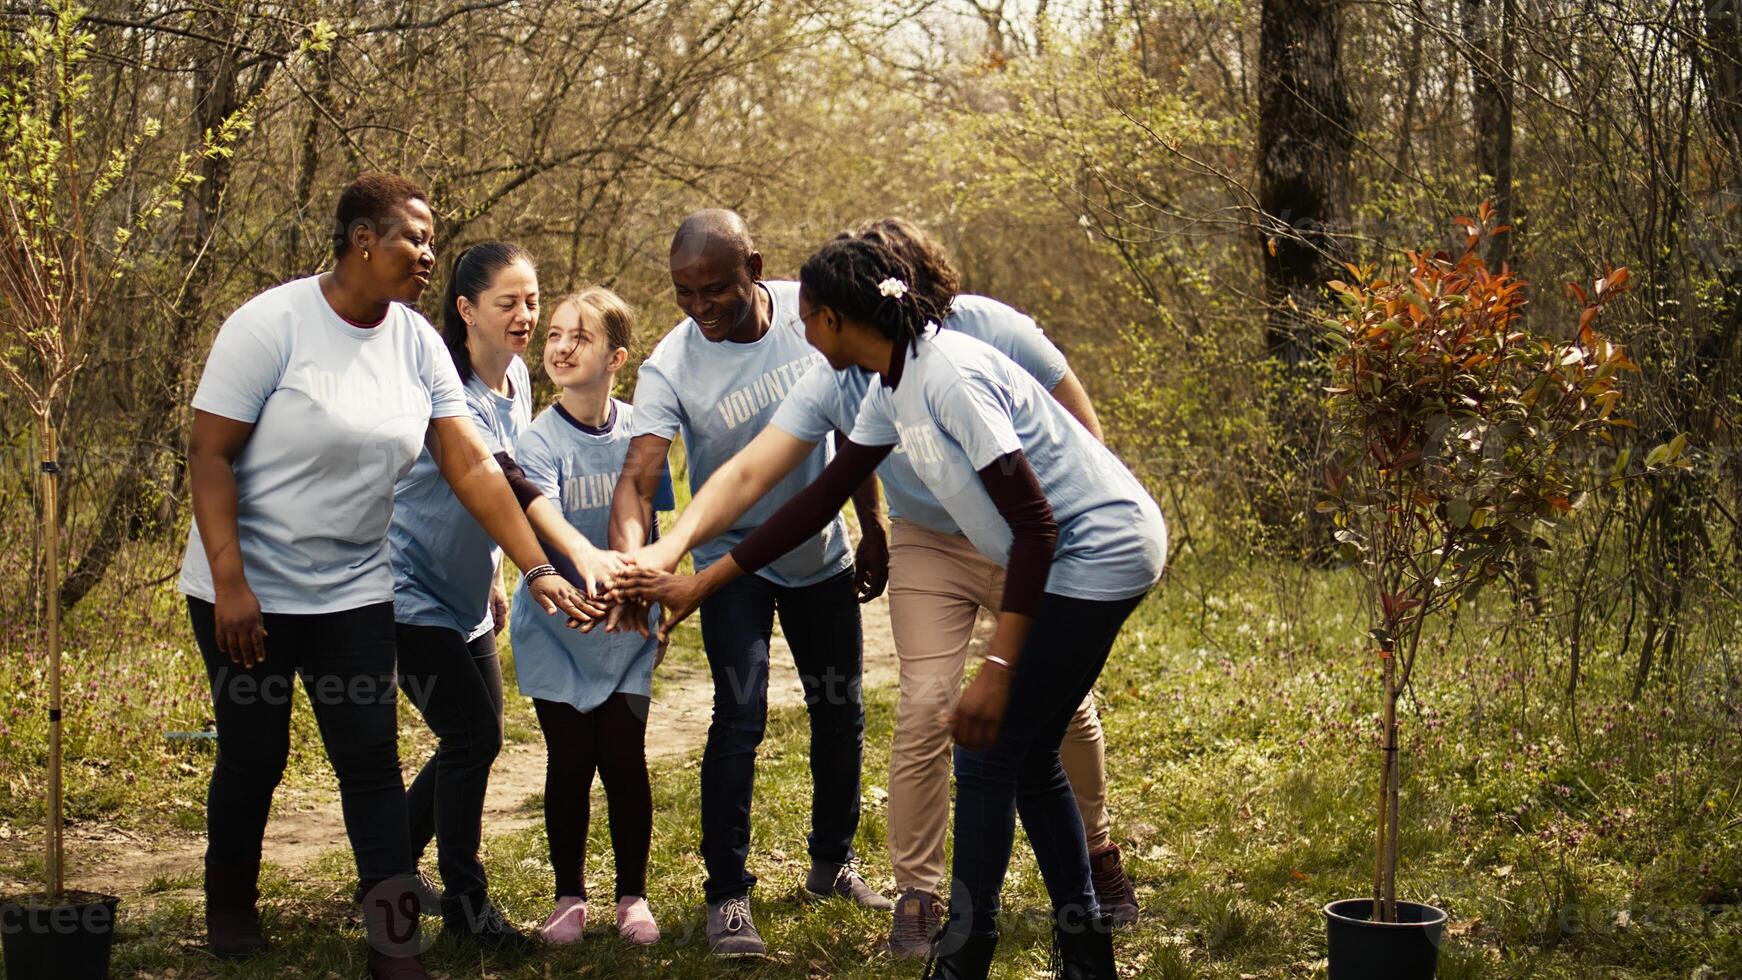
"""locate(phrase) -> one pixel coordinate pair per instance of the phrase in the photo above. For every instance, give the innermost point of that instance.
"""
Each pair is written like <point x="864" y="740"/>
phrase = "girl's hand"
<point x="555" y="595"/>
<point x="662" y="554"/>
<point x="598" y="569"/>
<point x="498" y="607"/>
<point x="241" y="632"/>
<point x="677" y="595"/>
<point x="981" y="709"/>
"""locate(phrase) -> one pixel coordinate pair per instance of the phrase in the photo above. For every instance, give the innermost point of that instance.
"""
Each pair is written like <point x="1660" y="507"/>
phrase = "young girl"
<point x="1081" y="542"/>
<point x="591" y="690"/>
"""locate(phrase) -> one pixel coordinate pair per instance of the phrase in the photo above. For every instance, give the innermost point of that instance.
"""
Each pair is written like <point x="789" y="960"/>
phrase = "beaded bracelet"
<point x="540" y="571"/>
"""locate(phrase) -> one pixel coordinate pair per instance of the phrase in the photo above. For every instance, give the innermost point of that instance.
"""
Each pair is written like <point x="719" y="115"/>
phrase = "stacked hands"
<point x="626" y="585"/>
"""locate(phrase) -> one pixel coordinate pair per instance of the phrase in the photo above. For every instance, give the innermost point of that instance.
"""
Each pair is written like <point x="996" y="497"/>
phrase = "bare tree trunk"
<point x="1412" y="91"/>
<point x="1490" y="28"/>
<point x="1305" y="136"/>
<point x="1717" y="354"/>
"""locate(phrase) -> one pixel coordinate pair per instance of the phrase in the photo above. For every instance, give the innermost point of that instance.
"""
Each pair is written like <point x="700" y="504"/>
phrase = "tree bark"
<point x="1305" y="135"/>
<point x="1490" y="28"/>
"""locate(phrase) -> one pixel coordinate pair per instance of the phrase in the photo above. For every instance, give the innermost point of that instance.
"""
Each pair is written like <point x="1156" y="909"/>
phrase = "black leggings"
<point x="609" y="740"/>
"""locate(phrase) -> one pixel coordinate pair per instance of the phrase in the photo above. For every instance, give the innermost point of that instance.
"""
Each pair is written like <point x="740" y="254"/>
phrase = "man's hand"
<point x="981" y="709"/>
<point x="677" y="595"/>
<point x="871" y="562"/>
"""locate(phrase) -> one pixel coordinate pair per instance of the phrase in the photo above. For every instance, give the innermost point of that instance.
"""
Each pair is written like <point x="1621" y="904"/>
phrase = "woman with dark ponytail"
<point x="448" y="599"/>
<point x="1080" y="539"/>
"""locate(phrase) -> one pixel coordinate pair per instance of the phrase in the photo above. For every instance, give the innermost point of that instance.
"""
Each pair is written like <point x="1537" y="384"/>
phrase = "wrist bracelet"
<point x="540" y="571"/>
<point x="1000" y="661"/>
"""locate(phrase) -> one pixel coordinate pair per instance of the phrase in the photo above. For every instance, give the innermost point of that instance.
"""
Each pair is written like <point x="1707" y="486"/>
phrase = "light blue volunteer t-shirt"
<point x="576" y="467"/>
<point x="443" y="561"/>
<point x="959" y="406"/>
<point x="825" y="400"/>
<point x="339" y="415"/>
<point x="720" y="395"/>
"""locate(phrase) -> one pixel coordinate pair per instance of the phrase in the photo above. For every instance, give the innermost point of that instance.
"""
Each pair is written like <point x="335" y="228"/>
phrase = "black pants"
<point x="821" y="624"/>
<point x="1020" y="773"/>
<point x="458" y="688"/>
<point x="612" y="741"/>
<point x="346" y="662"/>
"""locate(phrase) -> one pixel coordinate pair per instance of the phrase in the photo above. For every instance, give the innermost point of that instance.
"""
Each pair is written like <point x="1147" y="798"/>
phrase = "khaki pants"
<point x="938" y="583"/>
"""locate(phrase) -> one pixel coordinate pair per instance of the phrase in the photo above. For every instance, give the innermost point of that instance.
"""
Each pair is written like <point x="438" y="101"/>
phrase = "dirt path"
<point x="307" y="824"/>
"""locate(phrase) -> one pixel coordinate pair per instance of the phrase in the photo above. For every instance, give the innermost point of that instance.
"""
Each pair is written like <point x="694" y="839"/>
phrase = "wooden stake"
<point x="1379" y="838"/>
<point x="48" y="472"/>
<point x="1392" y="777"/>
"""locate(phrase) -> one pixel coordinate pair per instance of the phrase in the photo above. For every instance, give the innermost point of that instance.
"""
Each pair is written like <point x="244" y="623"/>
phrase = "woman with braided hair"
<point x="1080" y="539"/>
<point x="937" y="580"/>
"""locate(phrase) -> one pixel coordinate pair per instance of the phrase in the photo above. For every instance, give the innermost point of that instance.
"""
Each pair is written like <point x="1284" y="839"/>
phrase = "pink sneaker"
<point x="635" y="921"/>
<point x="566" y="924"/>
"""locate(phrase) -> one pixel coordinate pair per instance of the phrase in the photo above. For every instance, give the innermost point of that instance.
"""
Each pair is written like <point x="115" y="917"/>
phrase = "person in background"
<point x="591" y="691"/>
<point x="448" y="601"/>
<point x="1082" y="543"/>
<point x="938" y="583"/>
<point x="316" y="398"/>
<point x="717" y="378"/>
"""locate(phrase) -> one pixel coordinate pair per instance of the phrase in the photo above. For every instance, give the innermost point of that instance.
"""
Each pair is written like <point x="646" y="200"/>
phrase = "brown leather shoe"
<point x="1112" y="886"/>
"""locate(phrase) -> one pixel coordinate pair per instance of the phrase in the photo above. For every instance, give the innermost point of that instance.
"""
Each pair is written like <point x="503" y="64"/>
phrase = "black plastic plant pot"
<point x="1361" y="949"/>
<point x="66" y="938"/>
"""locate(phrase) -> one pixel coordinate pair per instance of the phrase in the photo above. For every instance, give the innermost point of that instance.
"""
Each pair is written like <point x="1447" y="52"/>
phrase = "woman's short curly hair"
<point x="370" y="200"/>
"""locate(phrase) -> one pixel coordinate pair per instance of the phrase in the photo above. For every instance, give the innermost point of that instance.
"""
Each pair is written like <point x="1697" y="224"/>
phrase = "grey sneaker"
<point x="429" y="895"/>
<point x="731" y="934"/>
<point x="840" y="880"/>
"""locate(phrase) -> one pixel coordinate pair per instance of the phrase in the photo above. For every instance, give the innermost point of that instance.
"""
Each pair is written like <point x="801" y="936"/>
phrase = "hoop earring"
<point x="365" y="255"/>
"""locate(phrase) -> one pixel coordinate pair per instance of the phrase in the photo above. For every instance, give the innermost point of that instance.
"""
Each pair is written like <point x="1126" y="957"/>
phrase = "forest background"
<point x="1168" y="186"/>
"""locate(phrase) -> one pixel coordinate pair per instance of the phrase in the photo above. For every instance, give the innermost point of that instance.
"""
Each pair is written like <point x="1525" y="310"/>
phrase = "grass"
<point x="1604" y="841"/>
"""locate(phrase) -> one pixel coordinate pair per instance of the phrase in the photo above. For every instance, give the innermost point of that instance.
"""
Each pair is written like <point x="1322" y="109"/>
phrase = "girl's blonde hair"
<point x="613" y="311"/>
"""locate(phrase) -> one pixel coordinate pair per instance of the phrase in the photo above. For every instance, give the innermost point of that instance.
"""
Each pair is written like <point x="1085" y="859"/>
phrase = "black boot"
<point x="960" y="955"/>
<point x="390" y="912"/>
<point x="1083" y="950"/>
<point x="232" y="919"/>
